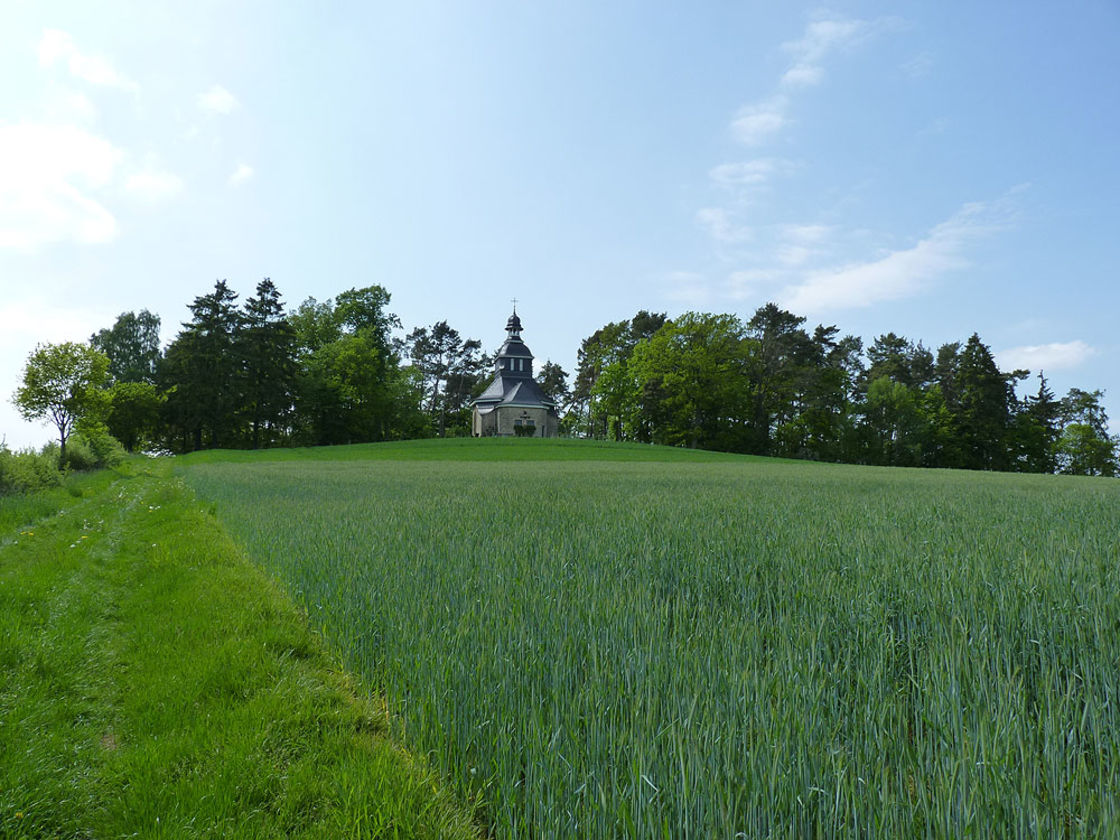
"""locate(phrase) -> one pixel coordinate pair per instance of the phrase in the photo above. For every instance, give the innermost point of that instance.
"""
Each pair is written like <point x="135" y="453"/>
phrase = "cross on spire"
<point x="515" y="305"/>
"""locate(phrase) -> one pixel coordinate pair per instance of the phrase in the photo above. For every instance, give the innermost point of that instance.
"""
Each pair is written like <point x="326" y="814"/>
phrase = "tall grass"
<point x="738" y="648"/>
<point x="154" y="683"/>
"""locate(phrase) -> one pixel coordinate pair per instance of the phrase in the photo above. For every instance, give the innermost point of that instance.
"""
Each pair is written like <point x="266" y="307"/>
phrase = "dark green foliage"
<point x="771" y="387"/>
<point x="132" y="345"/>
<point x="451" y="369"/>
<point x="267" y="345"/>
<point x="553" y="380"/>
<point x="134" y="413"/>
<point x="350" y="387"/>
<point x="983" y="413"/>
<point x="201" y="372"/>
<point x="332" y="372"/>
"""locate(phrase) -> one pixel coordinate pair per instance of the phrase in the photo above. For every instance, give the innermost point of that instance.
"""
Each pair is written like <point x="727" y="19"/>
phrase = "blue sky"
<point x="932" y="169"/>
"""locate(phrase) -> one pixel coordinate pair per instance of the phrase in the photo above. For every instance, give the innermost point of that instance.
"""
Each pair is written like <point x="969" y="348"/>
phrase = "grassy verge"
<point x="154" y="683"/>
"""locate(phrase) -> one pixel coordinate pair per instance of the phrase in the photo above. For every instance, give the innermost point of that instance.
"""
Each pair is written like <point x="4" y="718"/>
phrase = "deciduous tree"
<point x="63" y="384"/>
<point x="132" y="346"/>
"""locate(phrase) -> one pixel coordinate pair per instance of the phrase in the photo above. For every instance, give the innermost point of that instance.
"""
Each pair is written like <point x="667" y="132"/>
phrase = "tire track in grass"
<point x="154" y="682"/>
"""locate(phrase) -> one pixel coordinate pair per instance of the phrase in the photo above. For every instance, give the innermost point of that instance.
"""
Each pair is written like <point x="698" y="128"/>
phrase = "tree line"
<point x="769" y="386"/>
<point x="338" y="371"/>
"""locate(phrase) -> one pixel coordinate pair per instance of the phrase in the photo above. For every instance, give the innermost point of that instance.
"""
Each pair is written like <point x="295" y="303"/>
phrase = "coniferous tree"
<point x="450" y="368"/>
<point x="553" y="381"/>
<point x="201" y="372"/>
<point x="983" y="410"/>
<point x="783" y="351"/>
<point x="267" y="350"/>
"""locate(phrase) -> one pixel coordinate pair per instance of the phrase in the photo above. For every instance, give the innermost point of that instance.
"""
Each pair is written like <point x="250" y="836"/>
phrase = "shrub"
<point x="91" y="450"/>
<point x="26" y="471"/>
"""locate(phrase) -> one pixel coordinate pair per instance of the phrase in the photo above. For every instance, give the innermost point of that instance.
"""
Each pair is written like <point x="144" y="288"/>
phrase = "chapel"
<point x="513" y="403"/>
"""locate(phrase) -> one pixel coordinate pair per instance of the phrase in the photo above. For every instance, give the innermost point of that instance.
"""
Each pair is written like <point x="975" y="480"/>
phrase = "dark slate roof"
<point x="513" y="387"/>
<point x="514" y="348"/>
<point x="513" y="390"/>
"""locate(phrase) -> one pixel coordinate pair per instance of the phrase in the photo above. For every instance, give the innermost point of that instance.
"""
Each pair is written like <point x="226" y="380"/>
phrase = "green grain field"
<point x="595" y="641"/>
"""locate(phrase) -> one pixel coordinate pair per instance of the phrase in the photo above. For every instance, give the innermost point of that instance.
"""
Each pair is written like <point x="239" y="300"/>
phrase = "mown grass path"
<point x="154" y="683"/>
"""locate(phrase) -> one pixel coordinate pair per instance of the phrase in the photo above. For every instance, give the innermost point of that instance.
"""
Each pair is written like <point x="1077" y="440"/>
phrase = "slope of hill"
<point x="631" y="641"/>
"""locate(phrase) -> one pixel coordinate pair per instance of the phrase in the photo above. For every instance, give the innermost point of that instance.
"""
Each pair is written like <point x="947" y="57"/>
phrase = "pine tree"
<point x="202" y="372"/>
<point x="983" y="414"/>
<point x="267" y="350"/>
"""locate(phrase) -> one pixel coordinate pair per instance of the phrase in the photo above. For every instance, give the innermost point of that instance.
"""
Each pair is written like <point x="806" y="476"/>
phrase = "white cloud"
<point x="901" y="273"/>
<point x="793" y="255"/>
<point x="719" y="224"/>
<point x="58" y="46"/>
<point x="240" y="175"/>
<point x="803" y="75"/>
<point x="755" y="124"/>
<point x="1037" y="357"/>
<point x="54" y="45"/>
<point x="46" y="175"/>
<point x="821" y="37"/>
<point x="806" y="233"/>
<point x="218" y="100"/>
<point x="748" y="172"/>
<point x="153" y="185"/>
<point x="62" y="104"/>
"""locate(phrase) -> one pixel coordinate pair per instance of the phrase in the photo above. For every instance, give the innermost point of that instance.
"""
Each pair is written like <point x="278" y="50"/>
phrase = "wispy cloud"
<point x="1039" y="357"/>
<point x="759" y="122"/>
<point x="48" y="175"/>
<point x="755" y="124"/>
<point x="901" y="273"/>
<point x="822" y="36"/>
<point x="720" y="225"/>
<point x="806" y="234"/>
<point x="241" y="174"/>
<point x="57" y="46"/>
<point x="218" y="100"/>
<point x="748" y="172"/>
